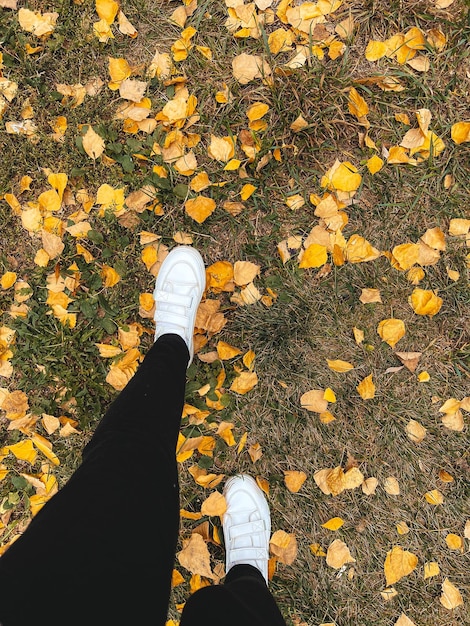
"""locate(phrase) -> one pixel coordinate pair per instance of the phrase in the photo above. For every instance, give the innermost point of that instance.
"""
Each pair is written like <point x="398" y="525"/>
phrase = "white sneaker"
<point x="246" y="524"/>
<point x="179" y="287"/>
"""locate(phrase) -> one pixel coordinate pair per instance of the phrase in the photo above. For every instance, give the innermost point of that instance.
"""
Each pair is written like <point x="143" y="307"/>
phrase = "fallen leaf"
<point x="339" y="366"/>
<point x="247" y="67"/>
<point x="398" y="563"/>
<point x="409" y="359"/>
<point x="366" y="388"/>
<point x="431" y="569"/>
<point x="391" y="331"/>
<point x="244" y="382"/>
<point x="294" y="480"/>
<point x="195" y="556"/>
<point x="434" y="497"/>
<point x="215" y="504"/>
<point x="460" y="132"/>
<point x="314" y="401"/>
<point x="93" y="144"/>
<point x="333" y="524"/>
<point x="369" y="296"/>
<point x="454" y="542"/>
<point x="403" y="620"/>
<point x="391" y="486"/>
<point x="338" y="554"/>
<point x="451" y="597"/>
<point x="415" y="431"/>
<point x="425" y="302"/>
<point x="284" y="546"/>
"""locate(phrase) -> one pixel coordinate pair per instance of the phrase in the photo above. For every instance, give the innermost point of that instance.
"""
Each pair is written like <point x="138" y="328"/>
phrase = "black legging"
<point x="102" y="550"/>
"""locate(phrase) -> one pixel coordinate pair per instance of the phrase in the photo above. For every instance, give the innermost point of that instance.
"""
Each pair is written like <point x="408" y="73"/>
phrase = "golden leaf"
<point x="451" y="597"/>
<point x="366" y="388"/>
<point x="225" y="351"/>
<point x="460" y="132"/>
<point x="93" y="144"/>
<point x="110" y="276"/>
<point x="225" y="432"/>
<point x="415" y="431"/>
<point x="391" y="331"/>
<point x="425" y="302"/>
<point x="398" y="563"/>
<point x="221" y="148"/>
<point x="244" y="272"/>
<point x="119" y="70"/>
<point x="195" y="556"/>
<point x="294" y="480"/>
<point x="431" y="569"/>
<point x="434" y="497"/>
<point x="369" y="486"/>
<point x="376" y="50"/>
<point x="339" y="366"/>
<point x="8" y="280"/>
<point x="45" y="446"/>
<point x="255" y="452"/>
<point x="247" y="67"/>
<point x="284" y="546"/>
<point x="403" y="620"/>
<point x="454" y="542"/>
<point x="200" y="208"/>
<point x="375" y="164"/>
<point x="23" y="450"/>
<point x="391" y="486"/>
<point x="244" y="382"/>
<point x="356" y="104"/>
<point x="334" y="523"/>
<point x="204" y="479"/>
<point x="247" y="191"/>
<point x="317" y="550"/>
<point x="314" y="256"/>
<point x="314" y="401"/>
<point x="338" y="554"/>
<point x="215" y="504"/>
<point x="403" y="528"/>
<point x="359" y="250"/>
<point x="107" y="10"/>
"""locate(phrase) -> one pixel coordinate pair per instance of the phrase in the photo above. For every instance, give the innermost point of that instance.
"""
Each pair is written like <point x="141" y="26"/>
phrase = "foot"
<point x="179" y="287"/>
<point x="246" y="524"/>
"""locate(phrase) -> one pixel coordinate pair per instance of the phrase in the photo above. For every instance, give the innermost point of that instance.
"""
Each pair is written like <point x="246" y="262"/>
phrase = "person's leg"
<point x="101" y="551"/>
<point x="243" y="600"/>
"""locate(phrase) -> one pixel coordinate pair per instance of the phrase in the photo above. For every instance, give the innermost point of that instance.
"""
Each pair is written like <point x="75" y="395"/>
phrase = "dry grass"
<point x="314" y="314"/>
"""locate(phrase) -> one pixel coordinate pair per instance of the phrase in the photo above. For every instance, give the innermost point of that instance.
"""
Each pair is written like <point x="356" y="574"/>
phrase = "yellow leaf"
<point x="215" y="504"/>
<point x="23" y="450"/>
<point x="255" y="452"/>
<point x="346" y="177"/>
<point x="366" y="388"/>
<point x="44" y="446"/>
<point x="176" y="579"/>
<point x="256" y="111"/>
<point x="107" y="10"/>
<point x="232" y="165"/>
<point x="119" y="70"/>
<point x="244" y="272"/>
<point x="358" y="335"/>
<point x="329" y="395"/>
<point x="225" y="432"/>
<point x="425" y="302"/>
<point x="195" y="556"/>
<point x="403" y="620"/>
<point x="334" y="523"/>
<point x="244" y="382"/>
<point x="391" y="486"/>
<point x="339" y="366"/>
<point x="403" y="528"/>
<point x="359" y="250"/>
<point x="415" y="431"/>
<point x="93" y="144"/>
<point x="8" y="280"/>
<point x="314" y="400"/>
<point x="406" y="255"/>
<point x="221" y="148"/>
<point x="317" y="550"/>
<point x="314" y="256"/>
<point x="219" y="276"/>
<point x="299" y="124"/>
<point x="434" y="497"/>
<point x="200" y="208"/>
<point x="454" y="542"/>
<point x="423" y="377"/>
<point x="107" y="351"/>
<point x="460" y="132"/>
<point x="369" y="486"/>
<point x="294" y="480"/>
<point x="39" y="24"/>
<point x="226" y="351"/>
<point x="374" y="164"/>
<point x="110" y="276"/>
<point x="451" y="597"/>
<point x="247" y="67"/>
<point x="398" y="563"/>
<point x="376" y="50"/>
<point x="247" y="191"/>
<point x="338" y="554"/>
<point x="356" y="104"/>
<point x="431" y="569"/>
<point x="284" y="546"/>
<point x="391" y="331"/>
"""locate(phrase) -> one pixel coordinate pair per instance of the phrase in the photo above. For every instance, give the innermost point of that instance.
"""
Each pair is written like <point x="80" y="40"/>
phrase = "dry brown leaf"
<point x="409" y="359"/>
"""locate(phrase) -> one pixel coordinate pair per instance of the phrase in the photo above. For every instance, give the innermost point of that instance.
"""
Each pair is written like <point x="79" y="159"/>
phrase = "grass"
<point x="312" y="318"/>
